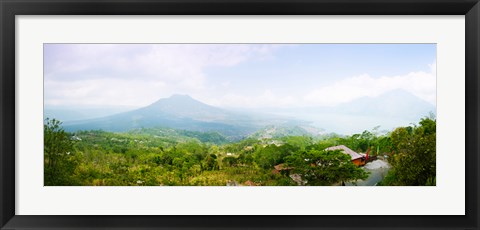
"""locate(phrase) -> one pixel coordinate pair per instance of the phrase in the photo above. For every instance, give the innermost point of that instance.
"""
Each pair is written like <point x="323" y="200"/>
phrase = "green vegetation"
<point x="164" y="156"/>
<point x="320" y="167"/>
<point x="414" y="161"/>
<point x="59" y="163"/>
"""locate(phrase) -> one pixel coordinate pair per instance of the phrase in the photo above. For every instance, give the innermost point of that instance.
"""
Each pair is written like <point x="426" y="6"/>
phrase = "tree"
<point x="415" y="160"/>
<point x="300" y="142"/>
<point x="210" y="162"/>
<point x="384" y="145"/>
<point x="320" y="167"/>
<point x="230" y="161"/>
<point x="272" y="155"/>
<point x="59" y="162"/>
<point x="245" y="158"/>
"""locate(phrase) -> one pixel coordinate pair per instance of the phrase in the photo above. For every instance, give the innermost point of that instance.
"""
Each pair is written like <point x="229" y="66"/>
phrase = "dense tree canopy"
<point x="414" y="161"/>
<point x="59" y="157"/>
<point x="320" y="167"/>
<point x="162" y="156"/>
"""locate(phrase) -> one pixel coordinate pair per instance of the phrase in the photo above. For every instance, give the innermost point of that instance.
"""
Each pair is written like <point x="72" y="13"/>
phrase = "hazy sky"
<point x="235" y="75"/>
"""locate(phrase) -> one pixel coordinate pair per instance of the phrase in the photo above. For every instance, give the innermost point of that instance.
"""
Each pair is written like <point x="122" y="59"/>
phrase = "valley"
<point x="179" y="141"/>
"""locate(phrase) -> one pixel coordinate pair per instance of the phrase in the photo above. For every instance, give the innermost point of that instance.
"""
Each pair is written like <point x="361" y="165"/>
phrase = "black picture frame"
<point x="10" y="8"/>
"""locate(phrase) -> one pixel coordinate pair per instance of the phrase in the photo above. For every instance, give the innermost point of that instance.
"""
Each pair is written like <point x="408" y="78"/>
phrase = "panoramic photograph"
<point x="239" y="114"/>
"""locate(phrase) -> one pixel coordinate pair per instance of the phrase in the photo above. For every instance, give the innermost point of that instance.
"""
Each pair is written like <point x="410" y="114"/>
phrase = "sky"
<point x="235" y="75"/>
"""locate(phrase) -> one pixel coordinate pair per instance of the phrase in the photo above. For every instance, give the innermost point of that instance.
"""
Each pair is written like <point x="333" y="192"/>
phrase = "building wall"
<point x="359" y="162"/>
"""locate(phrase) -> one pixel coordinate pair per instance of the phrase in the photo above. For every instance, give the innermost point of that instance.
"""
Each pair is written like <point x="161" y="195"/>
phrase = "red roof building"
<point x="357" y="159"/>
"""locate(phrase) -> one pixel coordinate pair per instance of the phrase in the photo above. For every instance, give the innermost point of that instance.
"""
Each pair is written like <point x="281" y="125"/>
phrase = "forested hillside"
<point x="167" y="156"/>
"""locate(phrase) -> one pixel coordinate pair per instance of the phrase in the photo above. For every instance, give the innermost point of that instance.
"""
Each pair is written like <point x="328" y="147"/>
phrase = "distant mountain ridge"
<point x="185" y="106"/>
<point x="395" y="103"/>
<point x="177" y="111"/>
<point x="392" y="109"/>
<point x="389" y="110"/>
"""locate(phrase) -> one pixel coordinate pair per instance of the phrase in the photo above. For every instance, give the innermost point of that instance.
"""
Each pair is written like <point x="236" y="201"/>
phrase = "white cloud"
<point x="420" y="84"/>
<point x="132" y="74"/>
<point x="104" y="92"/>
<point x="137" y="75"/>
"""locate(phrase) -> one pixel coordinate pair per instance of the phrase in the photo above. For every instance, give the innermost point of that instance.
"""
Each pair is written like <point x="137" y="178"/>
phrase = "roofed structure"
<point x="280" y="167"/>
<point x="346" y="150"/>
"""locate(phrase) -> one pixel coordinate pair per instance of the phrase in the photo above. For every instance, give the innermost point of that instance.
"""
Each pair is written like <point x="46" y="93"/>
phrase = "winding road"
<point x="378" y="170"/>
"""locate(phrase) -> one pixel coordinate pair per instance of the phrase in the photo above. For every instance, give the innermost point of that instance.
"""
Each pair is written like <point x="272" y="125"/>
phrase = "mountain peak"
<point x="180" y="104"/>
<point x="180" y="96"/>
<point x="176" y="98"/>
